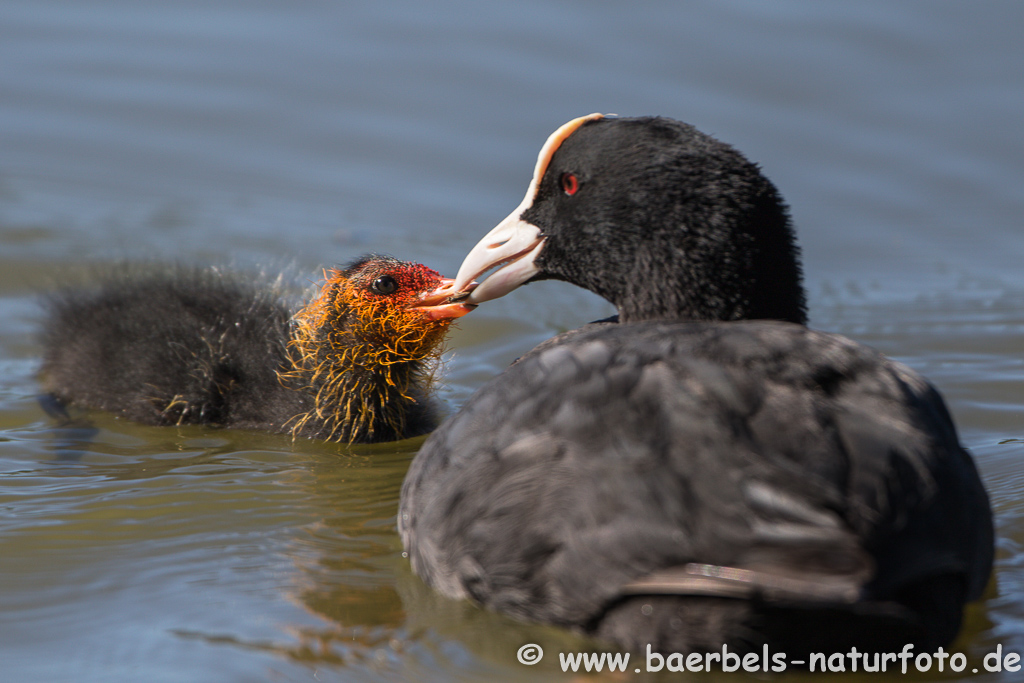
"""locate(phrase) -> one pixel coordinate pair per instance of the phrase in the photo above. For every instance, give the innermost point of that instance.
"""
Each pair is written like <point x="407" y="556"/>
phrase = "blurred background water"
<point x="281" y="135"/>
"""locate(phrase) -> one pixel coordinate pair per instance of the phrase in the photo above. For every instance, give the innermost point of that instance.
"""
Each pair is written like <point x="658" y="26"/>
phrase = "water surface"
<point x="279" y="135"/>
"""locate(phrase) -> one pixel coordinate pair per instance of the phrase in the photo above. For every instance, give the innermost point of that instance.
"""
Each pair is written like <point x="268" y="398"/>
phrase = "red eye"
<point x="570" y="184"/>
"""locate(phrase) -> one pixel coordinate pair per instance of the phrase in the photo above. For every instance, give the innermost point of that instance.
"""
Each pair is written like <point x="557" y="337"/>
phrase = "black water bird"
<point x="172" y="345"/>
<point x="705" y="471"/>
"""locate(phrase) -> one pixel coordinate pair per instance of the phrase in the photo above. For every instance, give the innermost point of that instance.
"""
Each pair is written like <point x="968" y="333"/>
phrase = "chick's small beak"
<point x="444" y="302"/>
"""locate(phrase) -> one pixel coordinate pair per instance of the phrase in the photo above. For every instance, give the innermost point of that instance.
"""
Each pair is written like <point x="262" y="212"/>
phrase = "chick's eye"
<point x="385" y="284"/>
<point x="570" y="183"/>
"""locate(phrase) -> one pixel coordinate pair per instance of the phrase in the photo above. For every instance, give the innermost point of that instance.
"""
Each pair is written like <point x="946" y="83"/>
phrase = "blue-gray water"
<point x="276" y="134"/>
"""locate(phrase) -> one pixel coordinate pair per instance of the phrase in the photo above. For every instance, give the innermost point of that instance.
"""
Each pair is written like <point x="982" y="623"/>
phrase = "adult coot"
<point x="707" y="471"/>
<point x="180" y="345"/>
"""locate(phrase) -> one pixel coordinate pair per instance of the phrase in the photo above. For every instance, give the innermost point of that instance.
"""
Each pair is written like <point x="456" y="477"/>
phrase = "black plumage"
<point x="166" y="345"/>
<point x="689" y="477"/>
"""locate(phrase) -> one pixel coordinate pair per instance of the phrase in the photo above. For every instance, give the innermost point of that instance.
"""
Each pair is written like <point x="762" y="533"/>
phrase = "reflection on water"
<point x="294" y="136"/>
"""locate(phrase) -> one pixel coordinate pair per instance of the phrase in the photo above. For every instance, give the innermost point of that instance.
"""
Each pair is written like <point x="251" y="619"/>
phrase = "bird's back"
<point x="825" y="471"/>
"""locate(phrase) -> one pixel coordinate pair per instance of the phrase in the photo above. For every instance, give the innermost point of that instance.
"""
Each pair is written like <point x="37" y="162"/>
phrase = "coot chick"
<point x="706" y="471"/>
<point x="176" y="345"/>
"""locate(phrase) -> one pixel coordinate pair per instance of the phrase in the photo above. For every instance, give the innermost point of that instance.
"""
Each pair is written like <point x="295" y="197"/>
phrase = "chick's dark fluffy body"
<point x="174" y="345"/>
